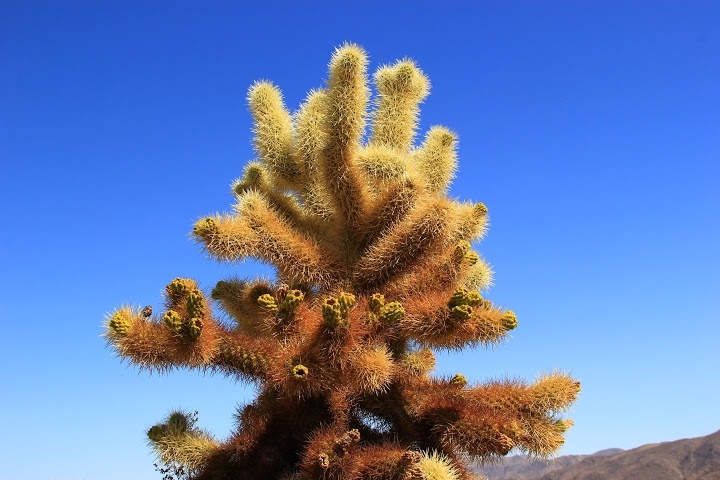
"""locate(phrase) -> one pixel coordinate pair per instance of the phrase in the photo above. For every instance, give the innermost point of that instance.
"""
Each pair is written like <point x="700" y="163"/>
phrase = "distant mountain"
<point x="688" y="459"/>
<point x="522" y="467"/>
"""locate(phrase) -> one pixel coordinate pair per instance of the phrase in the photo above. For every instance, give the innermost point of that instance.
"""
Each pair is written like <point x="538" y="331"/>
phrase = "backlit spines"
<point x="437" y="159"/>
<point x="299" y="257"/>
<point x="178" y="441"/>
<point x="344" y="123"/>
<point x="402" y="245"/>
<point x="227" y="238"/>
<point x="375" y="267"/>
<point x="274" y="133"/>
<point x="401" y="87"/>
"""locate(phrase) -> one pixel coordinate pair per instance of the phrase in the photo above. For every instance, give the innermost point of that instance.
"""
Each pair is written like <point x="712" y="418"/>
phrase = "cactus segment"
<point x="205" y="228"/>
<point x="193" y="329"/>
<point x="561" y="426"/>
<point x="194" y="304"/>
<point x="332" y="312"/>
<point x="463" y="296"/>
<point x="470" y="259"/>
<point x="292" y="301"/>
<point x="177" y="423"/>
<point x="268" y="302"/>
<point x="300" y="372"/>
<point x="120" y="323"/>
<point x="435" y="466"/>
<point x="180" y="287"/>
<point x="391" y="313"/>
<point x="480" y="210"/>
<point x="462" y="312"/>
<point x="509" y="320"/>
<point x="377" y="301"/>
<point x="346" y="302"/>
<point x="173" y="321"/>
<point x="459" y="379"/>
<point x="157" y="432"/>
<point x="461" y="249"/>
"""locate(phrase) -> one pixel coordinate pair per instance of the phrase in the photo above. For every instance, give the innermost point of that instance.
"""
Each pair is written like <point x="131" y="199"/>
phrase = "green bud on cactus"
<point x="180" y="287"/>
<point x="474" y="298"/>
<point x="157" y="433"/>
<point x="292" y="301"/>
<point x="173" y="321"/>
<point x="462" y="312"/>
<point x="459" y="380"/>
<point x="377" y="301"/>
<point x="268" y="302"/>
<point x="194" y="304"/>
<point x="346" y="302"/>
<point x="331" y="312"/>
<point x="509" y="320"/>
<point x="459" y="298"/>
<point x="460" y="250"/>
<point x="470" y="259"/>
<point x="120" y="323"/>
<point x="479" y="210"/>
<point x="300" y="372"/>
<point x="391" y="313"/>
<point x="193" y="328"/>
<point x="205" y="228"/>
<point x="463" y="296"/>
<point x="177" y="423"/>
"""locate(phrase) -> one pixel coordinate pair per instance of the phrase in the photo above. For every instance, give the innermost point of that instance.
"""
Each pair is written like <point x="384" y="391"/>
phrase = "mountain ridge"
<point x="686" y="459"/>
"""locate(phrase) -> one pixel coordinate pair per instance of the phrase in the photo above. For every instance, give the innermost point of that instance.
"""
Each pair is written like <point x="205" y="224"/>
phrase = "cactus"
<point x="292" y="301"/>
<point x="509" y="321"/>
<point x="268" y="302"/>
<point x="459" y="379"/>
<point x="300" y="372"/>
<point x="120" y="323"/>
<point x="375" y="269"/>
<point x="391" y="312"/>
<point x="173" y="321"/>
<point x="332" y="312"/>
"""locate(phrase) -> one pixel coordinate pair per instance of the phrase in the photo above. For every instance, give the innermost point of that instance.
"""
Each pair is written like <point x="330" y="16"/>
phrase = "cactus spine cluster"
<point x="375" y="269"/>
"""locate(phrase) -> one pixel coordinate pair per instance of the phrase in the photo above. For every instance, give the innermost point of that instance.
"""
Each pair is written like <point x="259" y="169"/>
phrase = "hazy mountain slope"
<point x="521" y="467"/>
<point x="687" y="459"/>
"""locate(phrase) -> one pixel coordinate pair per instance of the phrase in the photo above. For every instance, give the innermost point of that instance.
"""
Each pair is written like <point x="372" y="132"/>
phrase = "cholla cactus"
<point x="375" y="270"/>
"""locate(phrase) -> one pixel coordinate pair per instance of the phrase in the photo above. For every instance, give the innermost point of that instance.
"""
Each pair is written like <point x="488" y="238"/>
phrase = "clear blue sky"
<point x="591" y="130"/>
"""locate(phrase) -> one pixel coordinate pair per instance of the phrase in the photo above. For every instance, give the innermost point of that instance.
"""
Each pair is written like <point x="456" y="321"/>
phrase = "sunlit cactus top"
<point x="375" y="270"/>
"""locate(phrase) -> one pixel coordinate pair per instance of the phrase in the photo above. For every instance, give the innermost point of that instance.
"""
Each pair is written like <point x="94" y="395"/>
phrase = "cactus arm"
<point x="274" y="134"/>
<point x="436" y="159"/>
<point x="401" y="246"/>
<point x="391" y="207"/>
<point x="151" y="344"/>
<point x="489" y="420"/>
<point x="401" y="87"/>
<point x="227" y="238"/>
<point x="432" y="322"/>
<point x="178" y="443"/>
<point x="347" y="97"/>
<point x="311" y="137"/>
<point x="186" y="335"/>
<point x="299" y="257"/>
<point x="259" y="231"/>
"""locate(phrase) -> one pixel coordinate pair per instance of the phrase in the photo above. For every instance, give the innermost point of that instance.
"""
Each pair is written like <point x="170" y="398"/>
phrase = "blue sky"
<point x="589" y="129"/>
